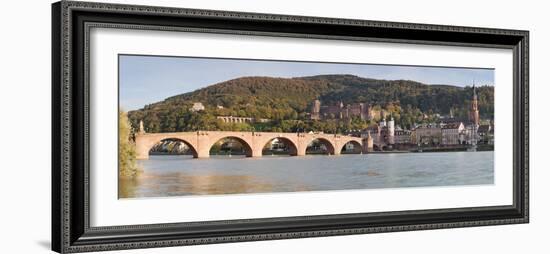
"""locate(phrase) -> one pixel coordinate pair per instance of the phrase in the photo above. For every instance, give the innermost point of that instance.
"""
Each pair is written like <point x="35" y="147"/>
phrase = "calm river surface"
<point x="174" y="175"/>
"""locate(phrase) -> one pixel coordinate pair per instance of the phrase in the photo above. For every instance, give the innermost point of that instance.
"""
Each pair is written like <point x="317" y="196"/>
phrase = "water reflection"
<point x="182" y="175"/>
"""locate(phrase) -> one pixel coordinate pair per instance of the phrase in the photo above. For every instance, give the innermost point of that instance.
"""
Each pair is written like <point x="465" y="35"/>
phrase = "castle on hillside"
<point x="339" y="111"/>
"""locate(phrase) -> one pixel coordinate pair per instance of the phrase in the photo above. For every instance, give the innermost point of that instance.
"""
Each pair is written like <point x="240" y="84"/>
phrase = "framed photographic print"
<point x="181" y="126"/>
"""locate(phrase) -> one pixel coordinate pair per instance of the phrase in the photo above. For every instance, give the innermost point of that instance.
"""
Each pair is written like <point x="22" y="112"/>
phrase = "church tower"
<point x="391" y="131"/>
<point x="474" y="112"/>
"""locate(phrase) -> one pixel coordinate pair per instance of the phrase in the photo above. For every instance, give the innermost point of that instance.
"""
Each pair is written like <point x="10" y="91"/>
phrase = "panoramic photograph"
<point x="215" y="126"/>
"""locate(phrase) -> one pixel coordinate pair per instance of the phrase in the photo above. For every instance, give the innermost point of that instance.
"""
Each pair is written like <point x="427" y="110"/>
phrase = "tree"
<point x="127" y="166"/>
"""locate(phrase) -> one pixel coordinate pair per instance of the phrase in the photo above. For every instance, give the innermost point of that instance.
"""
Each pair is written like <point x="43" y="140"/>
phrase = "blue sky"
<point x="148" y="79"/>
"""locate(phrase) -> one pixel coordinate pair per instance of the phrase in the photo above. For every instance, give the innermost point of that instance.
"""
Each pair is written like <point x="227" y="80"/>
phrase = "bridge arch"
<point x="246" y="147"/>
<point x="317" y="143"/>
<point x="146" y="142"/>
<point x="357" y="147"/>
<point x="291" y="147"/>
<point x="191" y="149"/>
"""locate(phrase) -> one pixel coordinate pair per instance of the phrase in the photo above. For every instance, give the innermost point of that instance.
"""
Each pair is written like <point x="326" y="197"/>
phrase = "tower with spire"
<point x="474" y="111"/>
<point x="391" y="130"/>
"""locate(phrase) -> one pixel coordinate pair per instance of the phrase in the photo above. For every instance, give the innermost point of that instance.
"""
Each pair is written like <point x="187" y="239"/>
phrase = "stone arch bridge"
<point x="200" y="142"/>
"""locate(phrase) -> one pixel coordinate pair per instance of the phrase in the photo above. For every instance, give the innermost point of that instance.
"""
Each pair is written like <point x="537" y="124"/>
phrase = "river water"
<point x="178" y="175"/>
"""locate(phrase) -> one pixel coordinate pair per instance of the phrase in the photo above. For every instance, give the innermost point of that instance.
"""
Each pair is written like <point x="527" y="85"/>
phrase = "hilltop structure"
<point x="197" y="106"/>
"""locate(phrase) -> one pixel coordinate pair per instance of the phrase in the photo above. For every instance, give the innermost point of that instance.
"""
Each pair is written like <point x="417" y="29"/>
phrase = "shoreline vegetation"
<point x="127" y="165"/>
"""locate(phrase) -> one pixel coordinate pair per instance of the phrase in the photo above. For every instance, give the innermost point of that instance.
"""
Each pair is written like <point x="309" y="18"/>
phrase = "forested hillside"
<point x="286" y="101"/>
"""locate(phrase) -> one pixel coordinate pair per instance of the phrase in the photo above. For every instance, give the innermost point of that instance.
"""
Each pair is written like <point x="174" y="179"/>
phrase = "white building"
<point x="470" y="134"/>
<point x="197" y="106"/>
<point x="451" y="134"/>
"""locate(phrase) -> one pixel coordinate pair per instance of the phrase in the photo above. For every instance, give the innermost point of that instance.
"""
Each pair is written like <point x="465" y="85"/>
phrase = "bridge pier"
<point x="201" y="154"/>
<point x="257" y="152"/>
<point x="142" y="148"/>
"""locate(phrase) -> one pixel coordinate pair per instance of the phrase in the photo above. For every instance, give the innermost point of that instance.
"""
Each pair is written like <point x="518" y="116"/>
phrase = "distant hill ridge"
<point x="291" y="98"/>
<point x="330" y="89"/>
